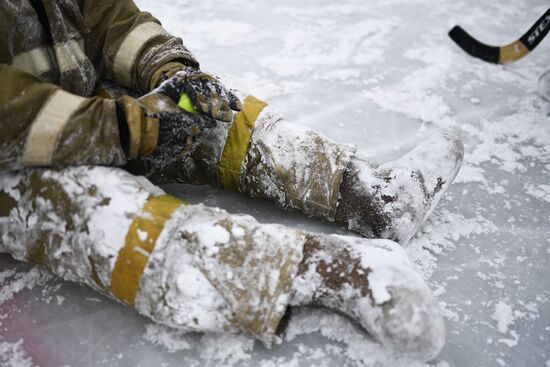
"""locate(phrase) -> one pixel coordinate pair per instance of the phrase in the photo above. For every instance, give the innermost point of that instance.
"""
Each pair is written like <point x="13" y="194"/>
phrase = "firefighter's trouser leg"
<point x="186" y="266"/>
<point x="201" y="269"/>
<point x="262" y="156"/>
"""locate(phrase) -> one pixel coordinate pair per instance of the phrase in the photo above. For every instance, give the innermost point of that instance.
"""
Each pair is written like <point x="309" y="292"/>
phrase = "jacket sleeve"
<point x="130" y="45"/>
<point x="43" y="126"/>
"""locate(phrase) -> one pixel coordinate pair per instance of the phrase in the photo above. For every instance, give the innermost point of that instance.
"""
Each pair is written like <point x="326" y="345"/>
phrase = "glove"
<point x="179" y="134"/>
<point x="164" y="73"/>
<point x="208" y="95"/>
<point x="158" y="130"/>
<point x="139" y="132"/>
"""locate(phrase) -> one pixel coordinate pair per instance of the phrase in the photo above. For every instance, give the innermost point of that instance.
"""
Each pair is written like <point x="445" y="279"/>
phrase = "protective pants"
<point x="201" y="269"/>
<point x="198" y="268"/>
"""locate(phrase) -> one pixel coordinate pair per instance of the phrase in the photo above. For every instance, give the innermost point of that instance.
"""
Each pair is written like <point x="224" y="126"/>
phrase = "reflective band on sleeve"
<point x="35" y="61"/>
<point x="130" y="49"/>
<point x="140" y="242"/>
<point x="69" y="55"/>
<point x="237" y="143"/>
<point x="47" y="126"/>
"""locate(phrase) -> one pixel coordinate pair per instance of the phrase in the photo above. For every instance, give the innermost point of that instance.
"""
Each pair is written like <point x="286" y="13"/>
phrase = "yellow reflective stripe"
<point x="35" y="61"/>
<point x="237" y="143"/>
<point x="512" y="52"/>
<point x="47" y="126"/>
<point x="140" y="242"/>
<point x="130" y="49"/>
<point x="69" y="55"/>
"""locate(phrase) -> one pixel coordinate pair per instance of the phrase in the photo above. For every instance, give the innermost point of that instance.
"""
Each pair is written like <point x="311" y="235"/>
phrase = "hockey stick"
<point x="504" y="54"/>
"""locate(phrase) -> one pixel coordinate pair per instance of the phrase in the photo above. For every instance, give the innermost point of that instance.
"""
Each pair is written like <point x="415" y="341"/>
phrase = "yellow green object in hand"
<point x="185" y="104"/>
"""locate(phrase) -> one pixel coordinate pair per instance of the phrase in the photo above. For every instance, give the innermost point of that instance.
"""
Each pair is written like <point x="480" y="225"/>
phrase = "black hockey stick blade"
<point x="473" y="46"/>
<point x="504" y="54"/>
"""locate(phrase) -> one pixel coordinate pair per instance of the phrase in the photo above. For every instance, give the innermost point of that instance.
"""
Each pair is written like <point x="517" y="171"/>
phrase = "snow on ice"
<point x="13" y="355"/>
<point x="382" y="75"/>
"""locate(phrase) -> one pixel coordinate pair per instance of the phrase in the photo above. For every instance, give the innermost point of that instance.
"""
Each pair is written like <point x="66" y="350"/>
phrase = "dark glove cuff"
<point x="123" y="130"/>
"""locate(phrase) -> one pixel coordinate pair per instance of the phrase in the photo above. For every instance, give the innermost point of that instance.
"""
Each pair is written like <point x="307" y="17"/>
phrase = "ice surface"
<point x="381" y="74"/>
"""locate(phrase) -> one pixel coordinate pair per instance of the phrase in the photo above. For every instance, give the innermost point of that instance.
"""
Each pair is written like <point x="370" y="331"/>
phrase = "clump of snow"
<point x="540" y="191"/>
<point x="504" y="316"/>
<point x="227" y="348"/>
<point x="60" y="300"/>
<point x="172" y="339"/>
<point x="510" y="342"/>
<point x="12" y="283"/>
<point x="223" y="348"/>
<point x="13" y="355"/>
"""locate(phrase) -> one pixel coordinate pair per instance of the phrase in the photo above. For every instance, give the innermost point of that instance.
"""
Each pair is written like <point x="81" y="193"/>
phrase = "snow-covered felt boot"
<point x="372" y="282"/>
<point x="394" y="199"/>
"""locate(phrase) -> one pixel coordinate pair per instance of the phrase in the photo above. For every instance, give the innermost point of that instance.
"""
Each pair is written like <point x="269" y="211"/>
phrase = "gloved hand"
<point x="162" y="137"/>
<point x="179" y="134"/>
<point x="208" y="95"/>
<point x="139" y="132"/>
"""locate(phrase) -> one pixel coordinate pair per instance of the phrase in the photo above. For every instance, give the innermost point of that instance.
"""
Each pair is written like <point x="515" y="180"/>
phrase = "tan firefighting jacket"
<point x="52" y="54"/>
